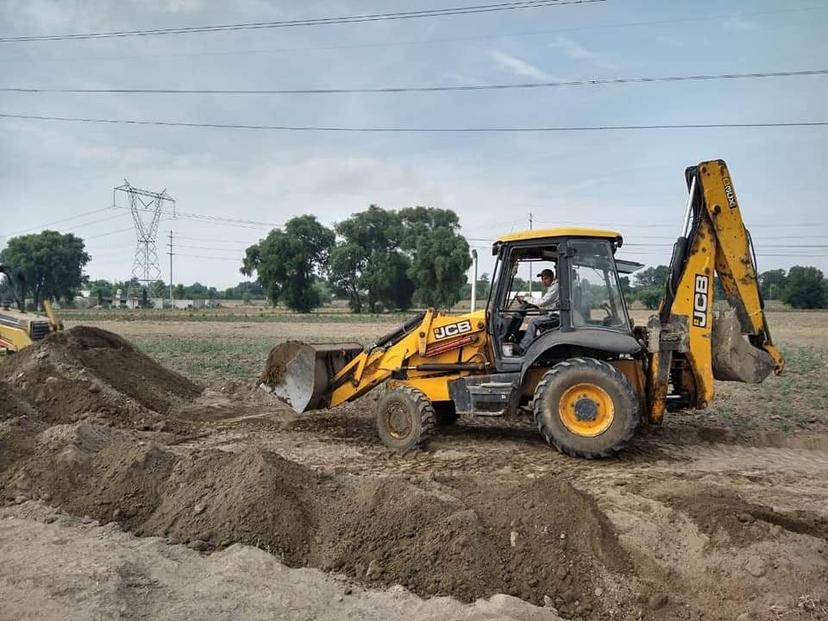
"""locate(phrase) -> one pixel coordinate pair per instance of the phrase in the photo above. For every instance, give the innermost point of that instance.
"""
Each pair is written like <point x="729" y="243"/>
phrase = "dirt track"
<point x="690" y="523"/>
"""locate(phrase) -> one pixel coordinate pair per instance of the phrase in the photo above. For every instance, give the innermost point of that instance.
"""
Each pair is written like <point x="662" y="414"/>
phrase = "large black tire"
<point x="405" y="418"/>
<point x="586" y="408"/>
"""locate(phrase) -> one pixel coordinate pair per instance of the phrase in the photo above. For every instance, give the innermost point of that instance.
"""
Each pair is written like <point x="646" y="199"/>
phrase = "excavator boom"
<point x="731" y="346"/>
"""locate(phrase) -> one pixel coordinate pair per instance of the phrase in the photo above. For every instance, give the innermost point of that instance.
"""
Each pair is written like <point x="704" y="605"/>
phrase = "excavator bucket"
<point x="300" y="374"/>
<point x="735" y="359"/>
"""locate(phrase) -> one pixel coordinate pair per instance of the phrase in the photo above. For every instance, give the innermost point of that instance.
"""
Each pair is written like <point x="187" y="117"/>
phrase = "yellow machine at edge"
<point x="585" y="375"/>
<point x="19" y="329"/>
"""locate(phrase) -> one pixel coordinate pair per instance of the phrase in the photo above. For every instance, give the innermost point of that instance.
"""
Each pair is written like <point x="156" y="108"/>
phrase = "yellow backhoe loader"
<point x="19" y="329"/>
<point x="585" y="374"/>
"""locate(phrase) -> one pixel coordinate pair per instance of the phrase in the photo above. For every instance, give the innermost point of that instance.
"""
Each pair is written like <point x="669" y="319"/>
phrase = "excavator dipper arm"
<point x="689" y="347"/>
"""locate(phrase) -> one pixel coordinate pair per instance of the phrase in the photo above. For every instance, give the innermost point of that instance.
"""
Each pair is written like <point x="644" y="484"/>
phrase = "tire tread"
<point x="552" y="374"/>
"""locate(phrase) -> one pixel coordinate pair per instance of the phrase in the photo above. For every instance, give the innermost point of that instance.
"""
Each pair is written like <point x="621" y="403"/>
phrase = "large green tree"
<point x="368" y="266"/>
<point x="805" y="288"/>
<point x="652" y="277"/>
<point x="287" y="262"/>
<point x="772" y="284"/>
<point x="51" y="263"/>
<point x="440" y="256"/>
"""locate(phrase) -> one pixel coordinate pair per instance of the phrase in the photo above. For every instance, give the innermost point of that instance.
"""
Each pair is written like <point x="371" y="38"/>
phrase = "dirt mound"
<point x="469" y="538"/>
<point x="234" y="400"/>
<point x="255" y="497"/>
<point x="12" y="405"/>
<point x="729" y="520"/>
<point x="462" y="536"/>
<point x="17" y="440"/>
<point x="391" y="532"/>
<point x="87" y="371"/>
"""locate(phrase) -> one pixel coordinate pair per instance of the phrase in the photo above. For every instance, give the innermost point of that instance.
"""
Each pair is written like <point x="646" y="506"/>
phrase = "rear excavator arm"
<point x="688" y="348"/>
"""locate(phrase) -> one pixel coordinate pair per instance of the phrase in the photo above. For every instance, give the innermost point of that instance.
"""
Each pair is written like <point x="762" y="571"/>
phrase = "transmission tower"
<point x="146" y="208"/>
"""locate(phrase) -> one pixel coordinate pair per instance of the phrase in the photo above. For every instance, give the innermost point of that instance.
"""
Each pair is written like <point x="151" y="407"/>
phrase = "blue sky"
<point x="631" y="181"/>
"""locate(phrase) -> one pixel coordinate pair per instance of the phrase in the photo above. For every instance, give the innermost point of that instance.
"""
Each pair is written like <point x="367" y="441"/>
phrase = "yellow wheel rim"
<point x="586" y="410"/>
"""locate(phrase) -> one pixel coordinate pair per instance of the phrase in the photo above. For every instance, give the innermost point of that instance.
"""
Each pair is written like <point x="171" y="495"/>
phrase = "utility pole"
<point x="172" y="304"/>
<point x="530" y="263"/>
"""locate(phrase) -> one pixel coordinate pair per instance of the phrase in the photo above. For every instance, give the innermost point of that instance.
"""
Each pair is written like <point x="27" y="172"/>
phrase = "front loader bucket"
<point x="735" y="359"/>
<point x="300" y="374"/>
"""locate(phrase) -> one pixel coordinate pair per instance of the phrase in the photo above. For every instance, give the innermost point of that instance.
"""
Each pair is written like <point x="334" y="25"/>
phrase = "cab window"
<point x="595" y="292"/>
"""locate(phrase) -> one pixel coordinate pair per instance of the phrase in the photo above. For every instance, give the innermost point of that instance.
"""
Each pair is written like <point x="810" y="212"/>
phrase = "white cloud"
<point x="572" y="49"/>
<point x="737" y="22"/>
<point x="518" y="67"/>
<point x="175" y="6"/>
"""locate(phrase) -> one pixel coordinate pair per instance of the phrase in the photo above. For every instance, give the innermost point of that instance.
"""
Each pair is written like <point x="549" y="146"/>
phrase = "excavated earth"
<point x="689" y="523"/>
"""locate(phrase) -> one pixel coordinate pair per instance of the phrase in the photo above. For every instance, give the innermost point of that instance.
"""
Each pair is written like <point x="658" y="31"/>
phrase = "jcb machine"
<point x="586" y="375"/>
<point x="19" y="329"/>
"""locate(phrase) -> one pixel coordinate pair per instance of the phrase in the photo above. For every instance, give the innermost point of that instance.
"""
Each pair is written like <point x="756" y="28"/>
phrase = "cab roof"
<point x="564" y="231"/>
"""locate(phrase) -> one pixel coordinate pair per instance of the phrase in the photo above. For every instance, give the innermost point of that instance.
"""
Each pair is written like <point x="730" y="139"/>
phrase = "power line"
<point x="444" y="40"/>
<point x="758" y="244"/>
<point x="221" y="220"/>
<point x="217" y="240"/>
<point x="199" y="256"/>
<point x="418" y="89"/>
<point x="320" y="21"/>
<point x="109" y="233"/>
<point x="48" y="224"/>
<point x="235" y="250"/>
<point x="403" y="130"/>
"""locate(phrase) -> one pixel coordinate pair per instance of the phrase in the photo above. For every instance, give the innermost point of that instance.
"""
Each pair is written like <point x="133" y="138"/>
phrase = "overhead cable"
<point x="293" y="23"/>
<point x="403" y="130"/>
<point x="48" y="224"/>
<point x="417" y="89"/>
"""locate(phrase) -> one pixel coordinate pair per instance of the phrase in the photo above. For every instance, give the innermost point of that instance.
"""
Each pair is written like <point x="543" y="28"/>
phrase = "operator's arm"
<point x="550" y="299"/>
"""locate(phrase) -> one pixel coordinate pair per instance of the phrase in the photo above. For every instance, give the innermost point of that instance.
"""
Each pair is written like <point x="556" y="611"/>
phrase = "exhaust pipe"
<point x="474" y="281"/>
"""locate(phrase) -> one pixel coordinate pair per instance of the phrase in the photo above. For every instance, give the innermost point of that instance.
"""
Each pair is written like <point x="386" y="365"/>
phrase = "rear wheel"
<point x="586" y="408"/>
<point x="405" y="418"/>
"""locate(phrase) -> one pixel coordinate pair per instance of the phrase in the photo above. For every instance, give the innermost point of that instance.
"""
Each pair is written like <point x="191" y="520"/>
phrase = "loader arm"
<point x="688" y="346"/>
<point x="427" y="352"/>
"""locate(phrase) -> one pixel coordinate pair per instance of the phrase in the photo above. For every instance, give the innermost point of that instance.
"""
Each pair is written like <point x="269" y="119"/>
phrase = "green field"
<point x="214" y="346"/>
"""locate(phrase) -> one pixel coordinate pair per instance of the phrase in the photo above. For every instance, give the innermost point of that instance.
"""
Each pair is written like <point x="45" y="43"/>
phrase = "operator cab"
<point x="585" y="275"/>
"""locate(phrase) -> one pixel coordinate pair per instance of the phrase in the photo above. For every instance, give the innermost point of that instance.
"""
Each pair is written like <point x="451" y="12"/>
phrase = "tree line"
<point x="377" y="260"/>
<point x="799" y="287"/>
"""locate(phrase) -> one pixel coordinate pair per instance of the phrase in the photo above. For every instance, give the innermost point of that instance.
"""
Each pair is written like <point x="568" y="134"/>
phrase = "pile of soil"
<point x="727" y="519"/>
<point x="470" y="538"/>
<point x="87" y="371"/>
<point x="13" y="405"/>
<point x="87" y="428"/>
<point x="465" y="537"/>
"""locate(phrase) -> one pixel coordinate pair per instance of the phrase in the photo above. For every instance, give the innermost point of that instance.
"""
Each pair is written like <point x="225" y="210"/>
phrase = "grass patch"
<point x="231" y="316"/>
<point x="210" y="359"/>
<point x="797" y="399"/>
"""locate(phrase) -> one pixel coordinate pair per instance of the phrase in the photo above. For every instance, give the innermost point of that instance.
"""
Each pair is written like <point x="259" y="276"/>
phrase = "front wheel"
<point x="586" y="408"/>
<point x="405" y="418"/>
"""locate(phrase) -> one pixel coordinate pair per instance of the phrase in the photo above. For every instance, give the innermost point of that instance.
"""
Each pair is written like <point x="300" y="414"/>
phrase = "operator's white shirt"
<point x="551" y="298"/>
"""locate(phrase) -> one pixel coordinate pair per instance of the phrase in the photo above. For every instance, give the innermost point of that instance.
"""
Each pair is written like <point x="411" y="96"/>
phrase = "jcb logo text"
<point x="730" y="194"/>
<point x="452" y="329"/>
<point x="700" y="301"/>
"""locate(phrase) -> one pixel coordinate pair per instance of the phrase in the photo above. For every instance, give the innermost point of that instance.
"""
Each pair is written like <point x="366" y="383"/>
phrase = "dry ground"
<point x="720" y="514"/>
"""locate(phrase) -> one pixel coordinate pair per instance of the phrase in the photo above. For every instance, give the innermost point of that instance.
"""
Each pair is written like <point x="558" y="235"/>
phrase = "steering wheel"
<point x="524" y="305"/>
